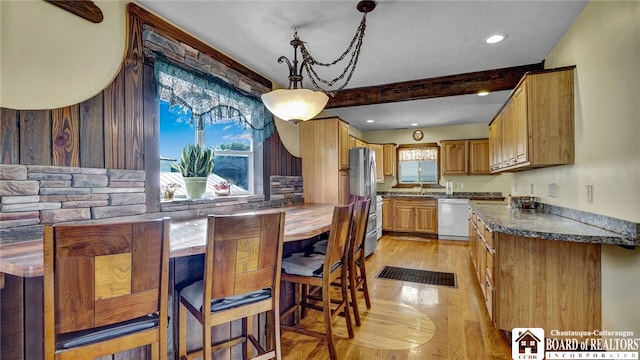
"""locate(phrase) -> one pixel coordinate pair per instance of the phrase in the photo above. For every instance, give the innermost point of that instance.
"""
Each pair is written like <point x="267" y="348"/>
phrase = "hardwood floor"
<point x="410" y="320"/>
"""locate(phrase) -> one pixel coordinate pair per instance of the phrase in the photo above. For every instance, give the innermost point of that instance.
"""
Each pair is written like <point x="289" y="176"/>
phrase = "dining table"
<point x="21" y="271"/>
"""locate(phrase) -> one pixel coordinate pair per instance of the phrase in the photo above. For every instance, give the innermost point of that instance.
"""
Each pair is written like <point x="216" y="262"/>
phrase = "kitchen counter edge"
<point x="538" y="224"/>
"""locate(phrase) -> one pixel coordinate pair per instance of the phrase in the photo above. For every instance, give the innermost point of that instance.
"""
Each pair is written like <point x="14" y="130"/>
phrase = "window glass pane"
<point x="234" y="168"/>
<point x="409" y="170"/>
<point x="232" y="144"/>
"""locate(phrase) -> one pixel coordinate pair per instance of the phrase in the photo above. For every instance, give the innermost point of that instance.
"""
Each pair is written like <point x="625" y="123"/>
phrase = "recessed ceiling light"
<point x="414" y="124"/>
<point x="495" y="38"/>
<point x="483" y="93"/>
<point x="370" y="121"/>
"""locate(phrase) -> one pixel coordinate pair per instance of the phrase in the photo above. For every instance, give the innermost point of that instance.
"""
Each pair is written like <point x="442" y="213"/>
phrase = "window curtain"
<point x="211" y="99"/>
<point x="418" y="154"/>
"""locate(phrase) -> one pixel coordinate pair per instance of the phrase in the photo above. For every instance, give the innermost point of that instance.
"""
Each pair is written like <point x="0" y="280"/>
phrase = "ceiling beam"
<point x="450" y="85"/>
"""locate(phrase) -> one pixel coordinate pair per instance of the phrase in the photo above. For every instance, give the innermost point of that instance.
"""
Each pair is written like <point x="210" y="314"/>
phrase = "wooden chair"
<point x="357" y="267"/>
<point x="319" y="271"/>
<point x="105" y="289"/>
<point x="241" y="279"/>
<point x="357" y="273"/>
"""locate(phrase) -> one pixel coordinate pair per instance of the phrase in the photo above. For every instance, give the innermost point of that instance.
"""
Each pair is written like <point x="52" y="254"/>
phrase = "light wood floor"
<point x="410" y="320"/>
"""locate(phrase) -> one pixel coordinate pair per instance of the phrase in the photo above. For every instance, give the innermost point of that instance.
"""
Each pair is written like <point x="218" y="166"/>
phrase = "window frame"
<point x="401" y="147"/>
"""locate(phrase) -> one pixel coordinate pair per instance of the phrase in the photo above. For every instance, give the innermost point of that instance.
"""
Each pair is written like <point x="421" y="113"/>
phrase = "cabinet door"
<point x="454" y="157"/>
<point x="508" y="135"/>
<point x="389" y="165"/>
<point x="343" y="146"/>
<point x="521" y="123"/>
<point x="343" y="187"/>
<point x="387" y="214"/>
<point x="472" y="241"/>
<point x="404" y="218"/>
<point x="479" y="157"/>
<point x="426" y="219"/>
<point x="495" y="143"/>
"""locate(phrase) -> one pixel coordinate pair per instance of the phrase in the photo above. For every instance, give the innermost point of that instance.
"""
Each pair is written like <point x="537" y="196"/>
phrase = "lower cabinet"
<point x="536" y="282"/>
<point x="409" y="215"/>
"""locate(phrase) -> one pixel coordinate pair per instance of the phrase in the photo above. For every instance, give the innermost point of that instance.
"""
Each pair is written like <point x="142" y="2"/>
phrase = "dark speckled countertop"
<point x="441" y="195"/>
<point x="545" y="225"/>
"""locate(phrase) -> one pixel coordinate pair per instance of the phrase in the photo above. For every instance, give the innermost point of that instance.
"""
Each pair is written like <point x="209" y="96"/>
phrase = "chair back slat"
<point x="360" y="219"/>
<point x="242" y="251"/>
<point x="105" y="273"/>
<point x="338" y="235"/>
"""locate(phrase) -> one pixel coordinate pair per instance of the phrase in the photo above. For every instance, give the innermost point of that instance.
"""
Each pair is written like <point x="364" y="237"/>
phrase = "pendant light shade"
<point x="295" y="104"/>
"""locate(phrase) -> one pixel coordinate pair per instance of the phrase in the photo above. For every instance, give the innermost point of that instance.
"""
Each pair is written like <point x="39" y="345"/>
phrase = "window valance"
<point x="418" y="154"/>
<point x="211" y="99"/>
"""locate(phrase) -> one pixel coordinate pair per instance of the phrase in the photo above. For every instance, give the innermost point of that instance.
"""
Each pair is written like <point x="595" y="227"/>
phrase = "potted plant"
<point x="196" y="163"/>
<point x="223" y="188"/>
<point x="168" y="191"/>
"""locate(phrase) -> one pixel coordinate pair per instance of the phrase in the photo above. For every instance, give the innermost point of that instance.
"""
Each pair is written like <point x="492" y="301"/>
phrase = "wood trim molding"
<point x="180" y="35"/>
<point x="85" y="9"/>
<point x="450" y="85"/>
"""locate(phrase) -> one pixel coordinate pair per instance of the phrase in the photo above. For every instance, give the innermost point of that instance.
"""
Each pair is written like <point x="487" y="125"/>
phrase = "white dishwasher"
<point x="452" y="219"/>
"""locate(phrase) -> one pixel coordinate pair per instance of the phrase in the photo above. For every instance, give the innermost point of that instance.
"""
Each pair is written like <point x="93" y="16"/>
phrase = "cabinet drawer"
<point x="489" y="259"/>
<point x="489" y="293"/>
<point x="488" y="237"/>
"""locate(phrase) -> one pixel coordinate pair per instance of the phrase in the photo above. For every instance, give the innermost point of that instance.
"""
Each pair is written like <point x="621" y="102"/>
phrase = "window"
<point x="231" y="142"/>
<point x="418" y="165"/>
<point x="199" y="108"/>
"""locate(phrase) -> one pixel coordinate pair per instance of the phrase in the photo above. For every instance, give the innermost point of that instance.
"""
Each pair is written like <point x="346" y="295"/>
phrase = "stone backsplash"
<point x="34" y="195"/>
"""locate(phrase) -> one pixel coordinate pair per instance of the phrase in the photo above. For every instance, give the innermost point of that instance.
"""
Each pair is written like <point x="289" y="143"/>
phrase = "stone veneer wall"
<point x="34" y="195"/>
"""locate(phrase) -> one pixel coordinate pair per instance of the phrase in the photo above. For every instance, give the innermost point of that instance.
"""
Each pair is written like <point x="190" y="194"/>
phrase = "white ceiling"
<point x="405" y="40"/>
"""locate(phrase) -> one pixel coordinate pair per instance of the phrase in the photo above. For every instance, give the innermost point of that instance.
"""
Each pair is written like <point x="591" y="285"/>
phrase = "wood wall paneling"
<point x="10" y="135"/>
<point x="114" y="123"/>
<point x="65" y="136"/>
<point x="92" y="148"/>
<point x="133" y="98"/>
<point x="35" y="137"/>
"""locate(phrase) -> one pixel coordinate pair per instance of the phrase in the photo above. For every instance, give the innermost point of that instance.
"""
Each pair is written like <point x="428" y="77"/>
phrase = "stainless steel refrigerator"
<point x="362" y="182"/>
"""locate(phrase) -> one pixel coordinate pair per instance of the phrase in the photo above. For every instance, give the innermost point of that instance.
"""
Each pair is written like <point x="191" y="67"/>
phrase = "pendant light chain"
<point x="310" y="61"/>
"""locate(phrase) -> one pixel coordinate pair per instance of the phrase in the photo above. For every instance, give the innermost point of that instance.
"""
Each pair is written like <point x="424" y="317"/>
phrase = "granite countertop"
<point x="441" y="195"/>
<point x="539" y="224"/>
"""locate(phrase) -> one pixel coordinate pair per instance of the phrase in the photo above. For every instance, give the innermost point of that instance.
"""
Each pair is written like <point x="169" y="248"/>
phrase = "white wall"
<point x="51" y="58"/>
<point x="604" y="44"/>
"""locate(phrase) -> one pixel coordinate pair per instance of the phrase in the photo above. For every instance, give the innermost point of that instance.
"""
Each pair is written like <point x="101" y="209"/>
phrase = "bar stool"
<point x="357" y="266"/>
<point x="105" y="289"/>
<point x="356" y="257"/>
<point x="308" y="273"/>
<point x="241" y="279"/>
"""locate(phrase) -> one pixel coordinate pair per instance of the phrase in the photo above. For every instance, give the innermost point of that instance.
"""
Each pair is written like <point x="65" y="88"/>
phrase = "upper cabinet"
<point x="325" y="160"/>
<point x="535" y="128"/>
<point x="479" y="157"/>
<point x="455" y="157"/>
<point x="465" y="157"/>
<point x="389" y="165"/>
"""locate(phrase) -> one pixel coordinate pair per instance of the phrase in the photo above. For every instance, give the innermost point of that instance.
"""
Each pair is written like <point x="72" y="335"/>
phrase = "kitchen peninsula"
<point x="23" y="265"/>
<point x="539" y="269"/>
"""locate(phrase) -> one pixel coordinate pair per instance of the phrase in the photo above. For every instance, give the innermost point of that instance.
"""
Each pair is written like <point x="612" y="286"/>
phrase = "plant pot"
<point x="195" y="186"/>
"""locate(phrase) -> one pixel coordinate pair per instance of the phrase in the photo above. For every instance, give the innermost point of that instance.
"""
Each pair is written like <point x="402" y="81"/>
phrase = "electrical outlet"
<point x="589" y="193"/>
<point x="552" y="190"/>
<point x="531" y="188"/>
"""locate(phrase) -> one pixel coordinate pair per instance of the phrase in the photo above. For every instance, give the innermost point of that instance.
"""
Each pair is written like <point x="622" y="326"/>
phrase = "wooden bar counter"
<point x="21" y="267"/>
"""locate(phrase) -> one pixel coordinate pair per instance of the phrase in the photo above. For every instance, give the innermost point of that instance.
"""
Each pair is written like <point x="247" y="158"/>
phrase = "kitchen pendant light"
<point x="297" y="104"/>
